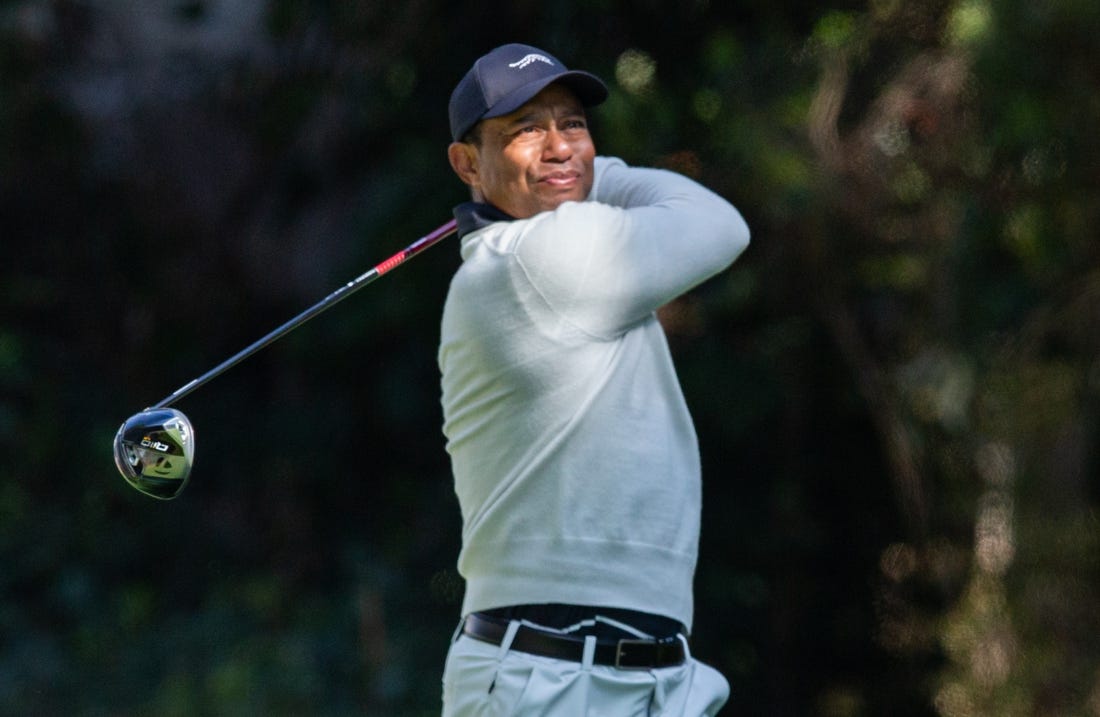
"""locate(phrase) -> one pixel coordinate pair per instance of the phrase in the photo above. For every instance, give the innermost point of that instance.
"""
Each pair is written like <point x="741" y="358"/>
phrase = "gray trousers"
<point x="484" y="680"/>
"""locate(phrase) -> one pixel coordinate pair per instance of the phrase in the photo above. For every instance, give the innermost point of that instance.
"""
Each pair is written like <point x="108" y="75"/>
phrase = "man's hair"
<point x="473" y="136"/>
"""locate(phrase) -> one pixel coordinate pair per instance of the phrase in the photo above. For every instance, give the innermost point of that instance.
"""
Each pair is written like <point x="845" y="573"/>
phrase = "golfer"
<point x="575" y="460"/>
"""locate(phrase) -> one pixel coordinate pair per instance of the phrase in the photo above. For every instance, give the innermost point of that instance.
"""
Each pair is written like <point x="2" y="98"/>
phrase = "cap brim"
<point x="590" y="90"/>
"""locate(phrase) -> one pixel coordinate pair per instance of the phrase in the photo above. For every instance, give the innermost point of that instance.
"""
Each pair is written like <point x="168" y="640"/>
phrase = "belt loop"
<point x="458" y="630"/>
<point x="509" y="636"/>
<point x="589" y="655"/>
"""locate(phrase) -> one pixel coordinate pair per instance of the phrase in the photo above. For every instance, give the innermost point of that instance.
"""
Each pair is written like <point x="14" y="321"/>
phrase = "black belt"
<point x="633" y="654"/>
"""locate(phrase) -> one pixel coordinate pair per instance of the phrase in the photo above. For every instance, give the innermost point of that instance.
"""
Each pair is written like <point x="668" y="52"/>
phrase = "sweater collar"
<point x="472" y="216"/>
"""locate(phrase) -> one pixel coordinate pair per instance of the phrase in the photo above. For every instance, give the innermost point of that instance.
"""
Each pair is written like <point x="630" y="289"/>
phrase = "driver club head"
<point x="154" y="450"/>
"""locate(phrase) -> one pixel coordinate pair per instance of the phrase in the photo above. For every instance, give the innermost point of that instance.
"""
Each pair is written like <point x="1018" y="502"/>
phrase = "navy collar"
<point x="472" y="216"/>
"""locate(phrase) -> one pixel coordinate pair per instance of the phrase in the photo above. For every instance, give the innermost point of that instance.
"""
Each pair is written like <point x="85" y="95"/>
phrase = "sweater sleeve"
<point x="644" y="237"/>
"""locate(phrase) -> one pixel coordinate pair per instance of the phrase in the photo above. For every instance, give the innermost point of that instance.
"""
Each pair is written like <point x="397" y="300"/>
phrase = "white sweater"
<point x="575" y="460"/>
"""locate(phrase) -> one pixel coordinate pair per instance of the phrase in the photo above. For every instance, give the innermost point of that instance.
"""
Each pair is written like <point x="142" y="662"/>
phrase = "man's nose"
<point x="557" y="146"/>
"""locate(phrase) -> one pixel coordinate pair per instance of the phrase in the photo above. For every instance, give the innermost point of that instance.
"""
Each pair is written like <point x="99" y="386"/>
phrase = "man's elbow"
<point x="735" y="231"/>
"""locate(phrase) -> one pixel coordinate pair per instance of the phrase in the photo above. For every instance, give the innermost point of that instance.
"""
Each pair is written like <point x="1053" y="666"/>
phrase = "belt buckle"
<point x="622" y="656"/>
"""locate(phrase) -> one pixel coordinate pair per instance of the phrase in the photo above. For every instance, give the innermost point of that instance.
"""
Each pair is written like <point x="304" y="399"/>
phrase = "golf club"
<point x="155" y="449"/>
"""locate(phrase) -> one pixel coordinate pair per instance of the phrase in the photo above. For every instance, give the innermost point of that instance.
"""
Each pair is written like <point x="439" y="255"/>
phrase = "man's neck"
<point x="472" y="216"/>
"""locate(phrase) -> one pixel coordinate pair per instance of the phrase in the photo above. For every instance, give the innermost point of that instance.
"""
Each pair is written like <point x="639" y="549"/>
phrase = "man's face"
<point x="535" y="158"/>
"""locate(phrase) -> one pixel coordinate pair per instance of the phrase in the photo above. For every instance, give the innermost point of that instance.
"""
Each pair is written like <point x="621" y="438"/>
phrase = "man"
<point x="575" y="459"/>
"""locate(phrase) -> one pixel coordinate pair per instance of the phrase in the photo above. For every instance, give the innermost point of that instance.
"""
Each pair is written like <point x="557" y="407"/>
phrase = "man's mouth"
<point x="561" y="179"/>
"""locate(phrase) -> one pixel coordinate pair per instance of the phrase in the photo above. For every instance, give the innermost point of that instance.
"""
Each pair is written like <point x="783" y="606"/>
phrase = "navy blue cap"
<point x="506" y="78"/>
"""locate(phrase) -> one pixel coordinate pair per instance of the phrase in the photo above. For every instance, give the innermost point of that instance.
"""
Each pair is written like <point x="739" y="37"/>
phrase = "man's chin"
<point x="559" y="198"/>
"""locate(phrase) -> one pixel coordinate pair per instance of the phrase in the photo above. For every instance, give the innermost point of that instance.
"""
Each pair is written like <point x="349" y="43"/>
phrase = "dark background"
<point x="896" y="387"/>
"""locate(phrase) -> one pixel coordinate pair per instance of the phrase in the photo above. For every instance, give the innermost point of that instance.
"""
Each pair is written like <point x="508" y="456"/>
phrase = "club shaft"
<point x="327" y="303"/>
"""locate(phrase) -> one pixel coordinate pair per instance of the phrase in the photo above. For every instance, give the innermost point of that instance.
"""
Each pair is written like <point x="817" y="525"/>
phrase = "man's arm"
<point x="647" y="236"/>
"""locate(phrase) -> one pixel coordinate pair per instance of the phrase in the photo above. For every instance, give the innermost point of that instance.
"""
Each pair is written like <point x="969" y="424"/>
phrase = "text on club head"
<point x="155" y="445"/>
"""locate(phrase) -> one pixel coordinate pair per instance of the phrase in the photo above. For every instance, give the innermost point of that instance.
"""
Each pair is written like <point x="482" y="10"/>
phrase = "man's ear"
<point x="463" y="158"/>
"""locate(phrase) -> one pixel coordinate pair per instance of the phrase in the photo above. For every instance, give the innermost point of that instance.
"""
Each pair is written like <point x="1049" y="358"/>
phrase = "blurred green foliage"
<point x="896" y="388"/>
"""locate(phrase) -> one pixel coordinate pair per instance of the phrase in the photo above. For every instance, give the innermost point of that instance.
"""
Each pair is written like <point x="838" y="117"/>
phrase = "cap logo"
<point x="533" y="57"/>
